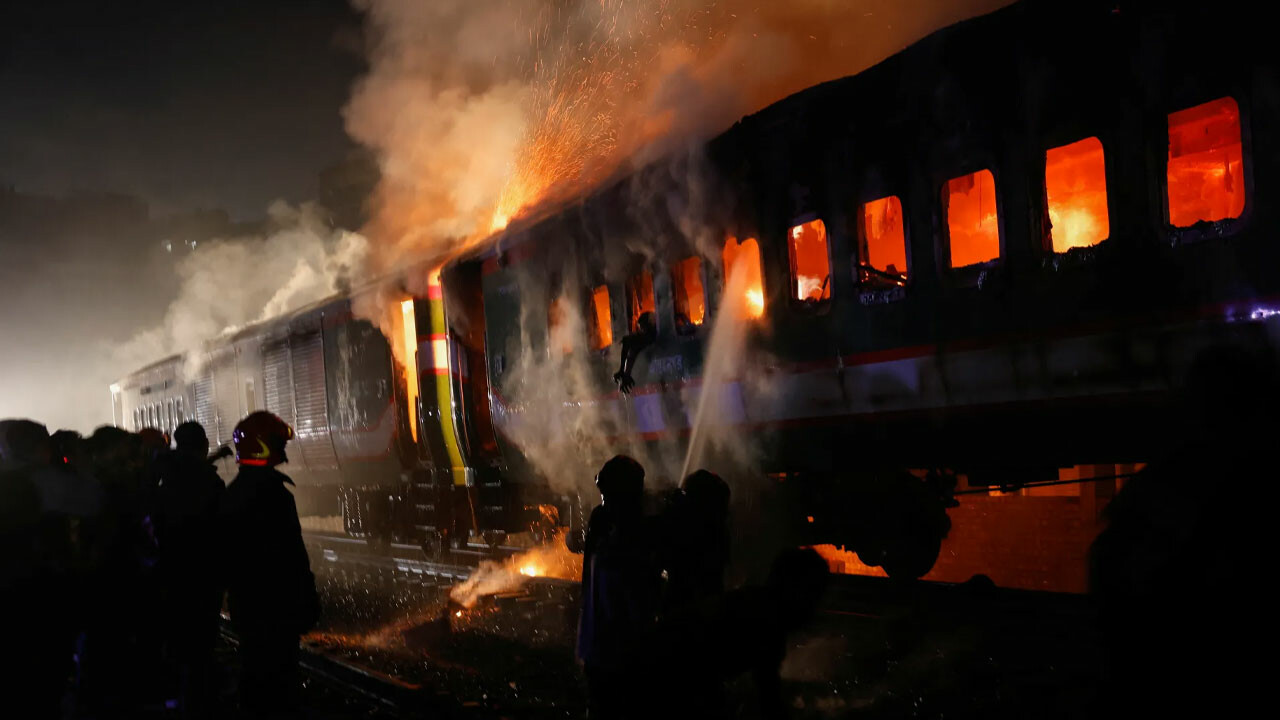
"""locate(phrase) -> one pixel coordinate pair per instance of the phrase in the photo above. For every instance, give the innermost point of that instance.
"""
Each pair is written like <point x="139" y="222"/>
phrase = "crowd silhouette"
<point x="115" y="554"/>
<point x="658" y="632"/>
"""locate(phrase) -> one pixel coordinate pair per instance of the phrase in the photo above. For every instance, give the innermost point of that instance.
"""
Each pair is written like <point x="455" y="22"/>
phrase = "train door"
<point x="490" y="499"/>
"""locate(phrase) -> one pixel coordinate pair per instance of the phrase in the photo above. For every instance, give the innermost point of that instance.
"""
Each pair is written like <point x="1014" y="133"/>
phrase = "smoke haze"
<point x="228" y="283"/>
<point x="481" y="110"/>
<point x="477" y="111"/>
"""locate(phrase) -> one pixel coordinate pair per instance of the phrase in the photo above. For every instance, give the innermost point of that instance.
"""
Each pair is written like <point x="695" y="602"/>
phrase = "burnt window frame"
<point x="968" y="275"/>
<point x="1219" y="229"/>
<point x="591" y="310"/>
<point x="867" y="293"/>
<point x="1062" y="139"/>
<point x="697" y="328"/>
<point x="642" y="266"/>
<point x="823" y="305"/>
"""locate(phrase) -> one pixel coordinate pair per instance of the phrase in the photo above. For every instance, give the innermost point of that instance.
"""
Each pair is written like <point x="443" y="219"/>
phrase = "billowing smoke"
<point x="481" y="110"/>
<point x="229" y="283"/>
<point x="555" y="409"/>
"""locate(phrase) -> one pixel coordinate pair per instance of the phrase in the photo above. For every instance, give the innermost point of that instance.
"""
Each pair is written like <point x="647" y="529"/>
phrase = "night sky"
<point x="127" y="124"/>
<point x="226" y="104"/>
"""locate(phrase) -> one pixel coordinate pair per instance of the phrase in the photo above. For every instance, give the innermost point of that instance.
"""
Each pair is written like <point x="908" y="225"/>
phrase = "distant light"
<point x="1262" y="313"/>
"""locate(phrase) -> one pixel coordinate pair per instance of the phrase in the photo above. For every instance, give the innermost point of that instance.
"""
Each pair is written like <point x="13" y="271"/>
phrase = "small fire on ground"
<point x="492" y="577"/>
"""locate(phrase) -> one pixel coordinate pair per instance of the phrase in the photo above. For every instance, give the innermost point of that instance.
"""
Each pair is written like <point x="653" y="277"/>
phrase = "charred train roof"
<point x="938" y="79"/>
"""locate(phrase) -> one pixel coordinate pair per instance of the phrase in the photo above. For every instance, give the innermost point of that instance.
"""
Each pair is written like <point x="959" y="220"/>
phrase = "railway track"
<point x="404" y="559"/>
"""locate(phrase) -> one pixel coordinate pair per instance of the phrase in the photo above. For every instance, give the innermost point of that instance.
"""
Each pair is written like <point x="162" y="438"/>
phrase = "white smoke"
<point x="229" y="283"/>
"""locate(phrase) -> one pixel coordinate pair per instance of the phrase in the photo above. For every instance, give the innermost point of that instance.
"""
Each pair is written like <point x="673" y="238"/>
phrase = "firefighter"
<point x="187" y="506"/>
<point x="620" y="586"/>
<point x="694" y="651"/>
<point x="696" y="541"/>
<point x="271" y="591"/>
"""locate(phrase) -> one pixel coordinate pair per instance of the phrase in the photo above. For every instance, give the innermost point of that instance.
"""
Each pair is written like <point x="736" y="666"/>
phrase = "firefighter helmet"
<point x="260" y="439"/>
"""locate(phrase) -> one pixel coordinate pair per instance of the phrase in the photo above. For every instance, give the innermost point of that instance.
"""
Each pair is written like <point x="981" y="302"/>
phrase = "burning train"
<point x="994" y="254"/>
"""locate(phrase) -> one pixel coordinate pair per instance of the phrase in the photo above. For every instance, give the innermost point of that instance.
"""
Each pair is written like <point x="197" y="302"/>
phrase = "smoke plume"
<point x="229" y="283"/>
<point x="483" y="110"/>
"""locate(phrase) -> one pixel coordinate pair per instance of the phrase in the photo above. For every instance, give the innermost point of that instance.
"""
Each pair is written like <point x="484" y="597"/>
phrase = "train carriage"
<point x="994" y="254"/>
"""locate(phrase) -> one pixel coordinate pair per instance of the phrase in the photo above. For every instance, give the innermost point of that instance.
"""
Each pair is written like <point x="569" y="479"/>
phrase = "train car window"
<point x="1206" y="164"/>
<point x="639" y="298"/>
<point x="973" y="224"/>
<point x="690" y="296"/>
<point x="601" y="319"/>
<point x="560" y="325"/>
<point x="810" y="262"/>
<point x="882" y="244"/>
<point x="742" y="276"/>
<point x="1075" y="185"/>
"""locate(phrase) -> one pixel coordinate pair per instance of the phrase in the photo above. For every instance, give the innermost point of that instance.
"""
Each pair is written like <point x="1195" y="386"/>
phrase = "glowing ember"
<point x="551" y="560"/>
<point x="845" y="562"/>
<point x="479" y="112"/>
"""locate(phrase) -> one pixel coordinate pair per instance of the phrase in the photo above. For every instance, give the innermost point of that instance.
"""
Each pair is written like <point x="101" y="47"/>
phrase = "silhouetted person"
<point x="620" y="585"/>
<point x="646" y="332"/>
<point x="188" y="502"/>
<point x="1181" y="573"/>
<point x="33" y="588"/>
<point x="271" y="591"/>
<point x="71" y="504"/>
<point x="696" y="542"/>
<point x="694" y="651"/>
<point x="120" y="656"/>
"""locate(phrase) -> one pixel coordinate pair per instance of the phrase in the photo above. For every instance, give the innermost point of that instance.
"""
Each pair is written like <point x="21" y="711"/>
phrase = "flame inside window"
<point x="691" y="299"/>
<point x="810" y="263"/>
<point x="601" y="318"/>
<point x="884" y="243"/>
<point x="1075" y="183"/>
<point x="972" y="219"/>
<point x="410" y="322"/>
<point x="744" y="257"/>
<point x="639" y="298"/>
<point x="1206" y="163"/>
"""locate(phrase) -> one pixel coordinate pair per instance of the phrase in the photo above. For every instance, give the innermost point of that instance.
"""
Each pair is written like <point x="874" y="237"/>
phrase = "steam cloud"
<point x="227" y="284"/>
